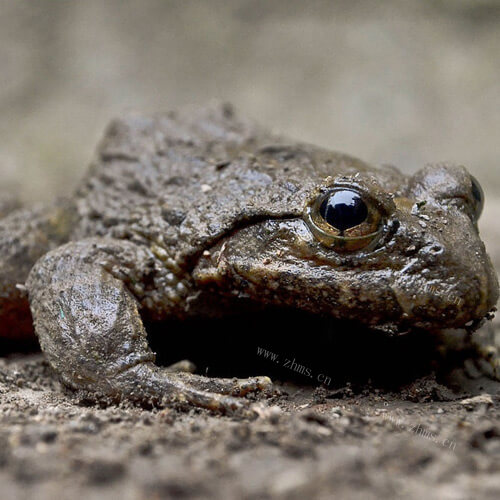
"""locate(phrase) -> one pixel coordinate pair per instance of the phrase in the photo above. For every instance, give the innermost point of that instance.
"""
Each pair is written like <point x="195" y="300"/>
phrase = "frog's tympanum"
<point x="204" y="214"/>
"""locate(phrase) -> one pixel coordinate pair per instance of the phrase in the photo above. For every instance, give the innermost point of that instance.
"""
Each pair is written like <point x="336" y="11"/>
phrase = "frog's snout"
<point x="451" y="301"/>
<point x="449" y="282"/>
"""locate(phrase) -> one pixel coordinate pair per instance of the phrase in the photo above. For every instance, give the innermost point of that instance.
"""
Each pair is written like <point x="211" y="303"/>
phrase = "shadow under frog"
<point x="186" y="218"/>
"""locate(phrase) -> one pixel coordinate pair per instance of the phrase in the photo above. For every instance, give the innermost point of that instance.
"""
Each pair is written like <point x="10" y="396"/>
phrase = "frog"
<point x="203" y="213"/>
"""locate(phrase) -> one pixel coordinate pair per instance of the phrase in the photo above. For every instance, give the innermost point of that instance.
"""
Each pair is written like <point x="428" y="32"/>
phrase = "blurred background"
<point x="402" y="82"/>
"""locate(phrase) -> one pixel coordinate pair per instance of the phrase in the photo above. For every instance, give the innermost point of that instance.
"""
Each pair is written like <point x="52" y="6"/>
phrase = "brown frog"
<point x="204" y="214"/>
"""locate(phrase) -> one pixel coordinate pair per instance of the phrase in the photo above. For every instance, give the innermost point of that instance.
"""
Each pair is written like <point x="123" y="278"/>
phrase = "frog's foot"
<point x="146" y="382"/>
<point x="233" y="387"/>
<point x="89" y="327"/>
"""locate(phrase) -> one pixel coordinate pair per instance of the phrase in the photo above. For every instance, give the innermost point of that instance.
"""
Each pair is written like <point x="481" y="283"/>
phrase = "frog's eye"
<point x="478" y="197"/>
<point x="345" y="220"/>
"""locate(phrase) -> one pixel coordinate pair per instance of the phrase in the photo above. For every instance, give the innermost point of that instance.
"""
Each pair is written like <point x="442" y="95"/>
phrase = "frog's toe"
<point x="183" y="366"/>
<point x="212" y="401"/>
<point x="241" y="387"/>
<point x="230" y="386"/>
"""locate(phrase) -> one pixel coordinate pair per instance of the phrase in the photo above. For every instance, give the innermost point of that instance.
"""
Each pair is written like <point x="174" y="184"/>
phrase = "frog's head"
<point x="359" y="249"/>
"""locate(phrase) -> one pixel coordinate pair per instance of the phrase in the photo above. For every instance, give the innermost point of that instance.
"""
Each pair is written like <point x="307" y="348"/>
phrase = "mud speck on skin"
<point x="421" y="442"/>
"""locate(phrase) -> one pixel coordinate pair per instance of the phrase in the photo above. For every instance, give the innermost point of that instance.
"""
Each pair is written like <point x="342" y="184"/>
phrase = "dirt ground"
<point x="423" y="440"/>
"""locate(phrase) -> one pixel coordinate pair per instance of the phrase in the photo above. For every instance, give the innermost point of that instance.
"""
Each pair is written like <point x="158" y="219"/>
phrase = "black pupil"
<point x="344" y="209"/>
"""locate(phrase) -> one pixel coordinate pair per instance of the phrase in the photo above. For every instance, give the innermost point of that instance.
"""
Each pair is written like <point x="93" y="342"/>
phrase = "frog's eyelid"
<point x="382" y="200"/>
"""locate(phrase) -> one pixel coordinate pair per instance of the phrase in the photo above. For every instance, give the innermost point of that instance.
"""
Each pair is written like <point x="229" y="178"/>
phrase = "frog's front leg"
<point x="88" y="323"/>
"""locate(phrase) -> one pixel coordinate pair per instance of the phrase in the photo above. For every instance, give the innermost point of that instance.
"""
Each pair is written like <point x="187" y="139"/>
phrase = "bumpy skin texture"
<point x="26" y="235"/>
<point x="201" y="213"/>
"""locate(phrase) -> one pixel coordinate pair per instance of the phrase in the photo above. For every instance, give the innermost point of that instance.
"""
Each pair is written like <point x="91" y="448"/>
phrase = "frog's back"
<point x="143" y="158"/>
<point x="181" y="179"/>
